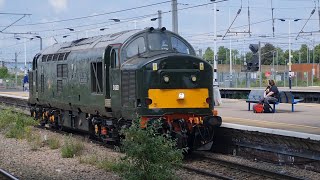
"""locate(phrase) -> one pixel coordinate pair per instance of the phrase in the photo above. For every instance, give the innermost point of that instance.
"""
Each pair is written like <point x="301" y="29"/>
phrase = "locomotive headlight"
<point x="181" y="95"/>
<point x="166" y="79"/>
<point x="193" y="78"/>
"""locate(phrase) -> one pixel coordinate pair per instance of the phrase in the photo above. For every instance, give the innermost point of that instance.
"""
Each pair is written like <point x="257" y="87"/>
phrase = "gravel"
<point x="287" y="169"/>
<point x="17" y="158"/>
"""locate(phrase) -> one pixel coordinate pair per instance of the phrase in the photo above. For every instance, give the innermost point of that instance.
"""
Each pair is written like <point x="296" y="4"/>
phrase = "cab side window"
<point x="179" y="46"/>
<point x="135" y="47"/>
<point x="114" y="58"/>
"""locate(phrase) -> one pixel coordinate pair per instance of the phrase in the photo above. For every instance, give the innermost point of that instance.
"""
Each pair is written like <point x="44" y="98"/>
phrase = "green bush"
<point x="89" y="159"/>
<point x="34" y="139"/>
<point x="148" y="154"/>
<point x="71" y="148"/>
<point x="15" y="124"/>
<point x="53" y="142"/>
<point x="6" y="118"/>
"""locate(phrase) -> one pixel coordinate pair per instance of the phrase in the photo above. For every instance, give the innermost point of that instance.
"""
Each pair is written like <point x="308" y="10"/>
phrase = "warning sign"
<point x="267" y="73"/>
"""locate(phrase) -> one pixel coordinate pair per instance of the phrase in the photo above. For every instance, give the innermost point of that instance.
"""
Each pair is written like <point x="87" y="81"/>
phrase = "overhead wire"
<point x="125" y="20"/>
<point x="95" y="15"/>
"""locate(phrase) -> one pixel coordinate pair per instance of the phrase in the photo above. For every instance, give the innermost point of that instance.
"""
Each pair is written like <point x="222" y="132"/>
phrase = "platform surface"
<point x="304" y="122"/>
<point x="15" y="93"/>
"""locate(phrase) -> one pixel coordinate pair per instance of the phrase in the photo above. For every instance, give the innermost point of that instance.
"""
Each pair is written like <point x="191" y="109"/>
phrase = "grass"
<point x="15" y="124"/>
<point x="71" y="148"/>
<point x="102" y="163"/>
<point x="53" y="143"/>
<point x="34" y="139"/>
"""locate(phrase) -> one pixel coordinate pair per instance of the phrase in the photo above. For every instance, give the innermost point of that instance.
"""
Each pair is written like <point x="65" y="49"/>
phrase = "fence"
<point x="251" y="79"/>
<point x="9" y="83"/>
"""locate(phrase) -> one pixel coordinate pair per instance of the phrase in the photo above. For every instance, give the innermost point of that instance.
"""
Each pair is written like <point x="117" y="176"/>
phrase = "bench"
<point x="287" y="97"/>
<point x="255" y="96"/>
<point x="284" y="97"/>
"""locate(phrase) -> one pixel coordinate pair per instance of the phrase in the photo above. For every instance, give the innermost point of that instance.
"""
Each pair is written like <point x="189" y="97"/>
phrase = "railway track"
<point x="4" y="175"/>
<point x="22" y="106"/>
<point x="210" y="166"/>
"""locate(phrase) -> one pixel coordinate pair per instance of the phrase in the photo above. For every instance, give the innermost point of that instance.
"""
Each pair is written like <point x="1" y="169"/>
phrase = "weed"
<point x="35" y="141"/>
<point x="103" y="163"/>
<point x="15" y="124"/>
<point x="6" y="118"/>
<point x="71" y="148"/>
<point x="89" y="159"/>
<point x="53" y="143"/>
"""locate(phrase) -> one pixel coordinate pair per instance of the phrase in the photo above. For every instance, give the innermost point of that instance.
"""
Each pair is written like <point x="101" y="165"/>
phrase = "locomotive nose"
<point x="178" y="82"/>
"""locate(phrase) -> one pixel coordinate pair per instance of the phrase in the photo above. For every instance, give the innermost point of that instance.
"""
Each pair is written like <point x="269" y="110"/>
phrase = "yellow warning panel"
<point x="178" y="98"/>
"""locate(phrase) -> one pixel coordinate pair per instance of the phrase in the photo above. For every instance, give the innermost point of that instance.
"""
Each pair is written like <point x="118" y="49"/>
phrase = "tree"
<point x="208" y="55"/>
<point x="304" y="53"/>
<point x="222" y="55"/>
<point x="249" y="56"/>
<point x="317" y="54"/>
<point x="4" y="72"/>
<point x="235" y="56"/>
<point x="267" y="54"/>
<point x="280" y="59"/>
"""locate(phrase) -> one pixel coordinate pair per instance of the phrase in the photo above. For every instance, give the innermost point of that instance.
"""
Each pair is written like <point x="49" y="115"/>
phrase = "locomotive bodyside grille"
<point x="128" y="92"/>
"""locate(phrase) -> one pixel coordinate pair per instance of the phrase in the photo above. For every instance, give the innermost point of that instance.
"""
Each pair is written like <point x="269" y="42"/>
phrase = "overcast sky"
<point x="50" y="18"/>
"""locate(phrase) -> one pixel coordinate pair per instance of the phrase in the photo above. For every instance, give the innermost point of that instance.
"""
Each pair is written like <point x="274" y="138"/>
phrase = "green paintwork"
<point x="77" y="94"/>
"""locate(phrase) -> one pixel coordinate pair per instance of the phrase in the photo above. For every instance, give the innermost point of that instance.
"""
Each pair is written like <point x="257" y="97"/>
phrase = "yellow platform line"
<point x="269" y="122"/>
<point x="24" y="94"/>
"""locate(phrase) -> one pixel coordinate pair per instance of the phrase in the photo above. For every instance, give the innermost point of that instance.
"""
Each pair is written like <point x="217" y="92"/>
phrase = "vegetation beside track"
<point x="147" y="154"/>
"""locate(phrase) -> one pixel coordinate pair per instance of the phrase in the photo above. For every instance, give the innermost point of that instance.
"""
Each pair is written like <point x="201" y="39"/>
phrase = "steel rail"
<point x="249" y="169"/>
<point x="206" y="173"/>
<point x="7" y="175"/>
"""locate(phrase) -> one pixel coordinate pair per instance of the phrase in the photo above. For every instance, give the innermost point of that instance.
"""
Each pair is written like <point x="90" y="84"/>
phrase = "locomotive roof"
<point x="91" y="42"/>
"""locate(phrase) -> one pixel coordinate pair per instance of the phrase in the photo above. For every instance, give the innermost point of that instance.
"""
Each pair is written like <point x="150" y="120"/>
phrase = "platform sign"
<point x="267" y="73"/>
<point x="291" y="74"/>
<point x="313" y="71"/>
<point x="254" y="75"/>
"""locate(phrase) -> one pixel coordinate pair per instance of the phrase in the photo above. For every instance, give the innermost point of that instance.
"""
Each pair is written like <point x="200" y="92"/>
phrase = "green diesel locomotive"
<point x="98" y="85"/>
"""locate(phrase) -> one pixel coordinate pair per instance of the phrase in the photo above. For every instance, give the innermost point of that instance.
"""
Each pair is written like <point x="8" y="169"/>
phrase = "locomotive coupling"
<point x="214" y="121"/>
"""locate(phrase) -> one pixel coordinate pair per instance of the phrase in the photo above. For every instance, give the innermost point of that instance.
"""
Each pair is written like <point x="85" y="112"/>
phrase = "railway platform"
<point x="304" y="122"/>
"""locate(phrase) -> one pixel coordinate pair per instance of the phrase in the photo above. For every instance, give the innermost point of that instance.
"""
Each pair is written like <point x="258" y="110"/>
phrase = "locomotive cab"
<point x="161" y="78"/>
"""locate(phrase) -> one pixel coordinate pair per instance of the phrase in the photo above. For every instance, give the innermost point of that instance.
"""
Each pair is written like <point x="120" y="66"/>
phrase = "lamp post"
<point x="159" y="18"/>
<point x="39" y="37"/>
<point x="290" y="63"/>
<point x="25" y="51"/>
<point x="215" y="75"/>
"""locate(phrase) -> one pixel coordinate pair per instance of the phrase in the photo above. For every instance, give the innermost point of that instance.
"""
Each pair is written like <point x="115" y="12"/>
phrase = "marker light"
<point x="193" y="78"/>
<point x="148" y="101"/>
<point x="208" y="100"/>
<point x="166" y="78"/>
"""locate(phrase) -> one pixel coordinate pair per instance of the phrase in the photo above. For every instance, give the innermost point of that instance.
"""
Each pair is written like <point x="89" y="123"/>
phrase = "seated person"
<point x="271" y="93"/>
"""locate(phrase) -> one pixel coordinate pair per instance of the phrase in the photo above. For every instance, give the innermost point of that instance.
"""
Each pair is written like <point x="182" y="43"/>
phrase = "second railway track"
<point x="208" y="165"/>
